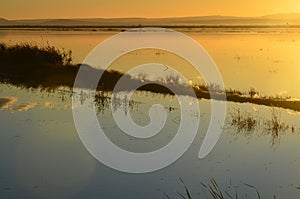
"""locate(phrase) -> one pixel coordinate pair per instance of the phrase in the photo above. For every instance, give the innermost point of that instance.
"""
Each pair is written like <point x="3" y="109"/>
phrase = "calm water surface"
<point x="43" y="157"/>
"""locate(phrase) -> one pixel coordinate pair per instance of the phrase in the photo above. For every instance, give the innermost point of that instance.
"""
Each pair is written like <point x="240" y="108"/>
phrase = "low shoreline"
<point x="49" y="68"/>
<point x="181" y="28"/>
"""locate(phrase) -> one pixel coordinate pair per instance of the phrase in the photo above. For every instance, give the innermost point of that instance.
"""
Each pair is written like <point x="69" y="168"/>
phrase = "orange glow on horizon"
<point x="17" y="9"/>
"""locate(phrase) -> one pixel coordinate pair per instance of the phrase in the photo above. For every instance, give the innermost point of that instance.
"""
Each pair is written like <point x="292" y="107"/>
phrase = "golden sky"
<point x="24" y="9"/>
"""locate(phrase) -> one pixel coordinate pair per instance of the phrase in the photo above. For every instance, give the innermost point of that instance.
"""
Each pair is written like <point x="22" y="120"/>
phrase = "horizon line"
<point x="140" y="17"/>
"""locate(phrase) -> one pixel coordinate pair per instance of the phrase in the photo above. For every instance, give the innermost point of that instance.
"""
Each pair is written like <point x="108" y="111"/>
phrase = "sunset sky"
<point x="26" y="9"/>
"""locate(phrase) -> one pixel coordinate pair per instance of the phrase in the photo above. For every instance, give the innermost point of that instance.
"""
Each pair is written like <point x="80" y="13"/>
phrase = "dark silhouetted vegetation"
<point x="47" y="67"/>
<point x="215" y="192"/>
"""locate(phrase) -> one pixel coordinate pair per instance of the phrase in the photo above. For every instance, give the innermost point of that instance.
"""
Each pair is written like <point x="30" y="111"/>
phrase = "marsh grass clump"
<point x="173" y="79"/>
<point x="252" y="92"/>
<point x="274" y="126"/>
<point x="47" y="67"/>
<point x="246" y="123"/>
<point x="104" y="101"/>
<point x="33" y="66"/>
<point x="33" y="54"/>
<point x="243" y="122"/>
<point x="214" y="191"/>
<point x="211" y="87"/>
<point x="142" y="77"/>
<point x="231" y="91"/>
<point x="187" y="191"/>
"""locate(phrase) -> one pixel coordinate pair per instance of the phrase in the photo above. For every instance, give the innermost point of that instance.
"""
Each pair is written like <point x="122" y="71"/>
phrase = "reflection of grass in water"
<point x="215" y="192"/>
<point x="47" y="67"/>
<point x="245" y="124"/>
<point x="103" y="102"/>
<point x="275" y="126"/>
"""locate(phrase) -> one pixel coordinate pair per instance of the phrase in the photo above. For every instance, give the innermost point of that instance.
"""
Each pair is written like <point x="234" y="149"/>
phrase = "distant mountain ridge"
<point x="272" y="19"/>
<point x="290" y="16"/>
